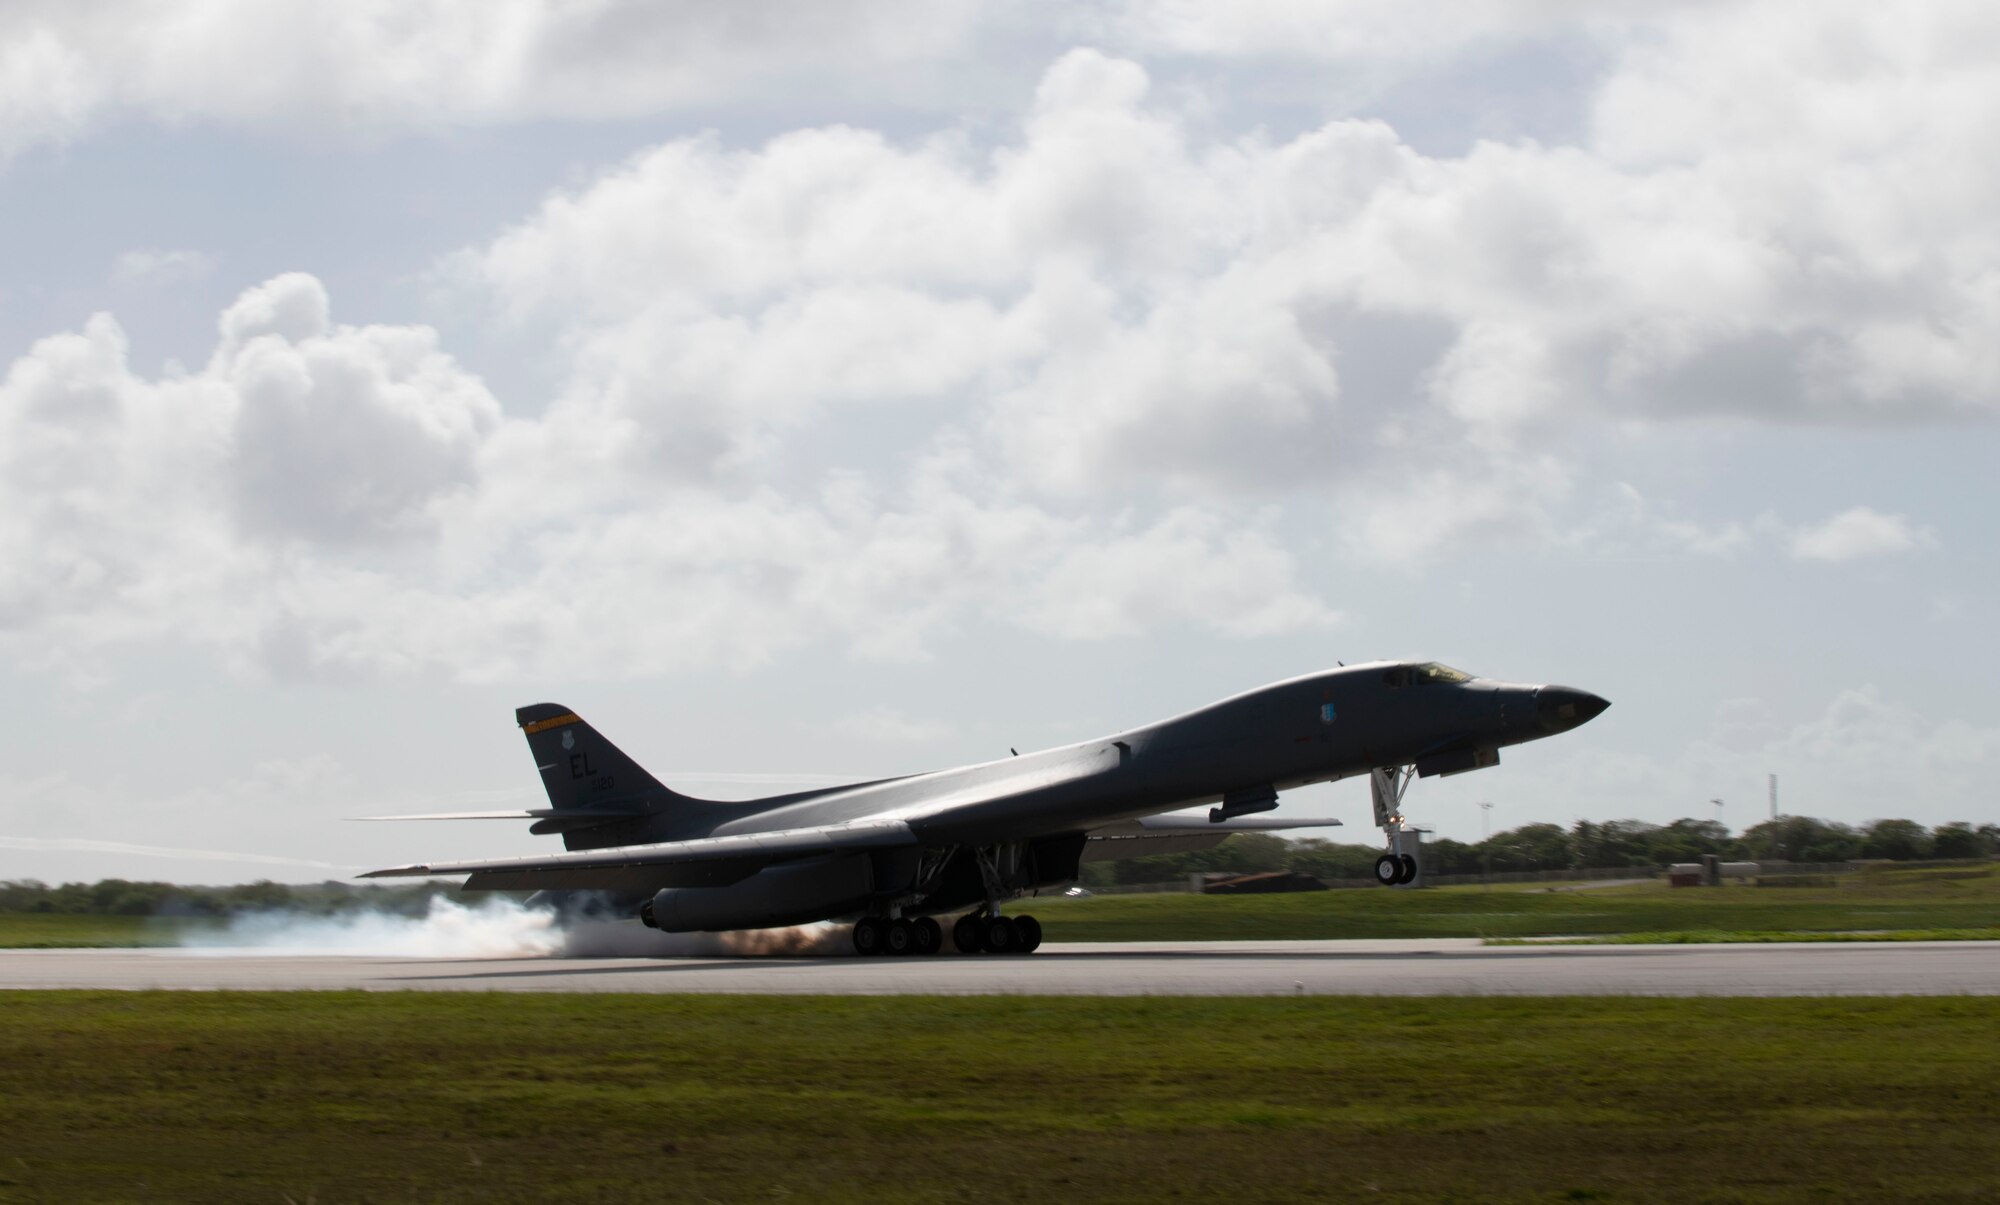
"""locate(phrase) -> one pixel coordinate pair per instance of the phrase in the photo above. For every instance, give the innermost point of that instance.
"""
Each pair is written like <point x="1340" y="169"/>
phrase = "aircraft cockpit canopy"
<point x="1430" y="673"/>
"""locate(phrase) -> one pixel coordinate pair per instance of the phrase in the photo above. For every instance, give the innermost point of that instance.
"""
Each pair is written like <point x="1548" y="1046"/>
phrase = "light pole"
<point x="1485" y="839"/>
<point x="1718" y="812"/>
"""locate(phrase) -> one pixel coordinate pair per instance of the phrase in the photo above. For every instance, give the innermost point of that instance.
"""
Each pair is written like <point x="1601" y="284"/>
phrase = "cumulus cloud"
<point x="1732" y="233"/>
<point x="248" y="63"/>
<point x="1803" y="144"/>
<point x="1337" y="30"/>
<point x="1857" y="533"/>
<point x="284" y="64"/>
<point x="329" y="499"/>
<point x="1187" y="566"/>
<point x="137" y="506"/>
<point x="1118" y="296"/>
<point x="1074" y="291"/>
<point x="1730" y="236"/>
<point x="1111" y="349"/>
<point x="342" y="435"/>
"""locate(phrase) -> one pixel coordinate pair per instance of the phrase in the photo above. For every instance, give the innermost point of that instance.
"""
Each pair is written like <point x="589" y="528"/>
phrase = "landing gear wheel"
<point x="869" y="936"/>
<point x="927" y="935"/>
<point x="997" y="935"/>
<point x="966" y="933"/>
<point x="901" y="940"/>
<point x="1409" y="869"/>
<point x="1027" y="934"/>
<point x="1388" y="870"/>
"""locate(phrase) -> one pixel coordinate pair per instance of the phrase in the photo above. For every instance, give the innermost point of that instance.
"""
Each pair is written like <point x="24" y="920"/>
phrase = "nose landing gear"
<point x="1393" y="870"/>
<point x="1399" y="867"/>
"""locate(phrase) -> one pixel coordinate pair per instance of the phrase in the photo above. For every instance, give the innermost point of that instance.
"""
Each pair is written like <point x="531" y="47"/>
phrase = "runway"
<point x="1448" y="967"/>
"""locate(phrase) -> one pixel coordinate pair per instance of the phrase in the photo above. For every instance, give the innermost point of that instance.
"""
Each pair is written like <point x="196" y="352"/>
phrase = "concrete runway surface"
<point x="1448" y="967"/>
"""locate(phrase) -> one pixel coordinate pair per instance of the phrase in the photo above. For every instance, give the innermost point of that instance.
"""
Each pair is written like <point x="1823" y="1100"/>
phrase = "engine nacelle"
<point x="792" y="893"/>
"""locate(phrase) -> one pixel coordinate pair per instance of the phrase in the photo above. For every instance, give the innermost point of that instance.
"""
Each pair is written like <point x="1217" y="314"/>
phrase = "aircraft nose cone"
<point x="1561" y="708"/>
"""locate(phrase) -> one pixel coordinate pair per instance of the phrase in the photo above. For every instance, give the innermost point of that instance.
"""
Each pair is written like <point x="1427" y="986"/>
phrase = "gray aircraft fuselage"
<point x="977" y="835"/>
<point x="1314" y="728"/>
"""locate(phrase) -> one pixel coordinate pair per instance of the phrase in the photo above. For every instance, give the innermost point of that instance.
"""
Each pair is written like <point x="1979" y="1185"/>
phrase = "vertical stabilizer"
<point x="583" y="772"/>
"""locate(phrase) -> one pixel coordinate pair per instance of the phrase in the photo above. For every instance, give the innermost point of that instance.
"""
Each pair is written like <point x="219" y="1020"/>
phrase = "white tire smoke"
<point x="497" y="928"/>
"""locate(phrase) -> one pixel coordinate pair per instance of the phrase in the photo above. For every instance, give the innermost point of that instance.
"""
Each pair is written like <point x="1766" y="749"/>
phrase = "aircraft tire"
<point x="868" y="936"/>
<point x="928" y="935"/>
<point x="966" y="933"/>
<point x="1388" y="870"/>
<point x="997" y="935"/>
<point x="899" y="940"/>
<point x="1027" y="934"/>
<point x="1409" y="869"/>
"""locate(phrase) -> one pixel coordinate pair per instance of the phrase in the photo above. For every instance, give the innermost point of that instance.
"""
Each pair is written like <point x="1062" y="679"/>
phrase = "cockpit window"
<point x="1431" y="671"/>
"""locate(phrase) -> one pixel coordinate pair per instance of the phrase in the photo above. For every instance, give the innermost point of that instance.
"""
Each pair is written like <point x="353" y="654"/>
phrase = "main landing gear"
<point x="976" y="933"/>
<point x="880" y="935"/>
<point x="982" y="931"/>
<point x="979" y="933"/>
<point x="986" y="931"/>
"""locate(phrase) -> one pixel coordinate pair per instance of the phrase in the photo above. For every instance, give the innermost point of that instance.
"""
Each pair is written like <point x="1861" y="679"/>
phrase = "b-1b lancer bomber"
<point x="895" y="853"/>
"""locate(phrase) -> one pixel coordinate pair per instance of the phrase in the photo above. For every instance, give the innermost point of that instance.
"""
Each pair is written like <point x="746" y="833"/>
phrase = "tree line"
<point x="1588" y="844"/>
<point x="126" y="897"/>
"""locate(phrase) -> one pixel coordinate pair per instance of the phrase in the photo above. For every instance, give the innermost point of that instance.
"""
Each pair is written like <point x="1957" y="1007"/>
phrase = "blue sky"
<point x="824" y="390"/>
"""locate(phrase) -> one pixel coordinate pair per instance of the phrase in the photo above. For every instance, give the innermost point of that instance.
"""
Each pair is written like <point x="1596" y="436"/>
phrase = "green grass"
<point x="42" y="930"/>
<point x="519" y="1097"/>
<point x="1886" y="900"/>
<point x="1709" y="937"/>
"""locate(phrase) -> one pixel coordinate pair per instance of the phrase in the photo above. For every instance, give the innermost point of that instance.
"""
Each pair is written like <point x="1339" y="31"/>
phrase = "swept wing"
<point x="714" y="861"/>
